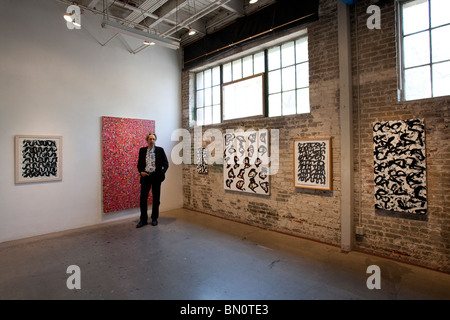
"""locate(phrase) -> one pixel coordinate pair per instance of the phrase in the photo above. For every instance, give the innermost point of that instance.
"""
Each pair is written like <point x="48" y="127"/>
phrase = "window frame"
<point x="261" y="53"/>
<point x="401" y="79"/>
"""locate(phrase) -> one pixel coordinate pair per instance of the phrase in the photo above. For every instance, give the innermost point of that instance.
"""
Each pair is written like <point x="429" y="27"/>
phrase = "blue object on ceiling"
<point x="350" y="2"/>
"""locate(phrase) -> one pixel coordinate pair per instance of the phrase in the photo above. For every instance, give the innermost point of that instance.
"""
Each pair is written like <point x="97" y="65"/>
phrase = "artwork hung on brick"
<point x="312" y="163"/>
<point x="202" y="160"/>
<point x="400" y="166"/>
<point x="38" y="158"/>
<point x="121" y="140"/>
<point x="246" y="162"/>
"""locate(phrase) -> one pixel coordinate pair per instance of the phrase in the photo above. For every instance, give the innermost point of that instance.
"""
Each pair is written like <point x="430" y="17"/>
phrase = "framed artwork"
<point x="121" y="140"/>
<point x="245" y="165"/>
<point x="38" y="158"/>
<point x="312" y="163"/>
<point x="400" y="166"/>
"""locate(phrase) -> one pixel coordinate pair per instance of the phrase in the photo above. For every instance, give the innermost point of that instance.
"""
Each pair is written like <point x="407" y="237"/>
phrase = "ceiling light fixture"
<point x="149" y="43"/>
<point x="253" y="1"/>
<point x="192" y="32"/>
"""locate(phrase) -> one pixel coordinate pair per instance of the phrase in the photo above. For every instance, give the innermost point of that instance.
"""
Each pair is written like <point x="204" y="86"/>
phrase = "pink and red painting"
<point x="121" y="140"/>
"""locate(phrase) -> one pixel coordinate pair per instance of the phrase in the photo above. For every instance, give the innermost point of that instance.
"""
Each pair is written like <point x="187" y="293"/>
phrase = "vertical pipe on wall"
<point x="346" y="125"/>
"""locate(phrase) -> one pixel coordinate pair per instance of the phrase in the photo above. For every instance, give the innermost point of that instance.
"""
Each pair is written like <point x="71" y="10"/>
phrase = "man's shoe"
<point x="141" y="224"/>
<point x="154" y="222"/>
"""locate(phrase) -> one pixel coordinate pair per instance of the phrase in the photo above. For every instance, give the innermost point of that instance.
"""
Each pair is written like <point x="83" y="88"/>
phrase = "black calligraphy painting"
<point x="246" y="161"/>
<point x="38" y="158"/>
<point x="400" y="166"/>
<point x="312" y="163"/>
<point x="202" y="160"/>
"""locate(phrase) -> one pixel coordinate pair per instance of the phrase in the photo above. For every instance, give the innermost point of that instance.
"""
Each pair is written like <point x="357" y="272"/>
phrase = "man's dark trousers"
<point x="153" y="183"/>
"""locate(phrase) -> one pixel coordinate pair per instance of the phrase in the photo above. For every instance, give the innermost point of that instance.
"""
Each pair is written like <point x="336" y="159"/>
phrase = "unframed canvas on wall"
<point x="246" y="160"/>
<point x="312" y="163"/>
<point x="121" y="140"/>
<point x="38" y="158"/>
<point x="400" y="166"/>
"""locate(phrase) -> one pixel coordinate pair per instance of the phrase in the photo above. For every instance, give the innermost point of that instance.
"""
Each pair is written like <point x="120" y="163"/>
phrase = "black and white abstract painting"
<point x="312" y="163"/>
<point x="202" y="160"/>
<point x="400" y="166"/>
<point x="38" y="158"/>
<point x="246" y="161"/>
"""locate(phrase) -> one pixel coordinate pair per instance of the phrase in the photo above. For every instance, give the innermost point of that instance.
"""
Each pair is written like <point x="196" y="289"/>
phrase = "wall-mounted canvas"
<point x="246" y="162"/>
<point x="312" y="163"/>
<point x="38" y="158"/>
<point x="202" y="160"/>
<point x="121" y="140"/>
<point x="400" y="166"/>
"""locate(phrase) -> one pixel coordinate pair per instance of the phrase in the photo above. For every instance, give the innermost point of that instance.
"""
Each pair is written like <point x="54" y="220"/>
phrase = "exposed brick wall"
<point x="315" y="214"/>
<point x="420" y="242"/>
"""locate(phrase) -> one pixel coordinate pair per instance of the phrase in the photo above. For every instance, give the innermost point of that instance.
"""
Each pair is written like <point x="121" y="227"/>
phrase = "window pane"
<point x="208" y="78"/>
<point x="199" y="80"/>
<point x="275" y="105"/>
<point x="288" y="54"/>
<point x="227" y="72"/>
<point x="441" y="43"/>
<point x="440" y="12"/>
<point x="417" y="49"/>
<point x="258" y="63"/>
<point x="415" y="16"/>
<point x="303" y="101"/>
<point x="274" y="81"/>
<point x="208" y="97"/>
<point x="441" y="79"/>
<point x="216" y="113"/>
<point x="289" y="102"/>
<point x="216" y="76"/>
<point x="216" y="95"/>
<point x="237" y="70"/>
<point x="200" y="100"/>
<point x="301" y="50"/>
<point x="417" y="83"/>
<point x="302" y="75"/>
<point x="288" y="78"/>
<point x="208" y="115"/>
<point x="247" y="66"/>
<point x="274" y="58"/>
<point x="200" y="120"/>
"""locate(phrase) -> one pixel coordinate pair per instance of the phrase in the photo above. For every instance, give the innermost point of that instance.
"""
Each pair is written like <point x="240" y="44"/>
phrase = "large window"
<point x="280" y="74"/>
<point x="425" y="28"/>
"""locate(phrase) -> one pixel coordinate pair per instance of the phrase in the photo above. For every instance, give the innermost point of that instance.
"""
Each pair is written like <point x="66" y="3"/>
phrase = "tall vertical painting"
<point x="246" y="162"/>
<point x="400" y="166"/>
<point x="121" y="140"/>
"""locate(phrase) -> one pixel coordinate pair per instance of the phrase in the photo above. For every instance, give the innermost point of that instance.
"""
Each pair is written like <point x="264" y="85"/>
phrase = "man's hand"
<point x="144" y="174"/>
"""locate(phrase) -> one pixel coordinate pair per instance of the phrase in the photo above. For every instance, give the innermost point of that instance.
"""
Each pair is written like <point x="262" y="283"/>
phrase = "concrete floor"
<point x="194" y="256"/>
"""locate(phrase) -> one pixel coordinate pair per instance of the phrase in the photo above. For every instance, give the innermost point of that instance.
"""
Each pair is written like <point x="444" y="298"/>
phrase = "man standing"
<point x="152" y="166"/>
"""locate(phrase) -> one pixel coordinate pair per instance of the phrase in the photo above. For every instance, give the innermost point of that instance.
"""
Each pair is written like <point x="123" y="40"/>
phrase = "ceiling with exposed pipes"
<point x="171" y="19"/>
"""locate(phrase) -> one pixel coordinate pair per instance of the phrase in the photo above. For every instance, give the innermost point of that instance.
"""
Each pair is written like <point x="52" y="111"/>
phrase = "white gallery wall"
<point x="56" y="81"/>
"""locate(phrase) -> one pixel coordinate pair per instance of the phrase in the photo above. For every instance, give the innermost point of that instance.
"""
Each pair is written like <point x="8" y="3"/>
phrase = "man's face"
<point x="151" y="141"/>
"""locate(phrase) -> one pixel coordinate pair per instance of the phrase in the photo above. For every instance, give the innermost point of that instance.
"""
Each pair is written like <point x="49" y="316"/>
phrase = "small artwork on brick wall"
<point x="245" y="165"/>
<point x="400" y="166"/>
<point x="202" y="160"/>
<point x="312" y="163"/>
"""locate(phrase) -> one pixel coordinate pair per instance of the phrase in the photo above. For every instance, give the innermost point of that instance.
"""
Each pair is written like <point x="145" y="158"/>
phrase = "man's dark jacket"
<point x="161" y="163"/>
